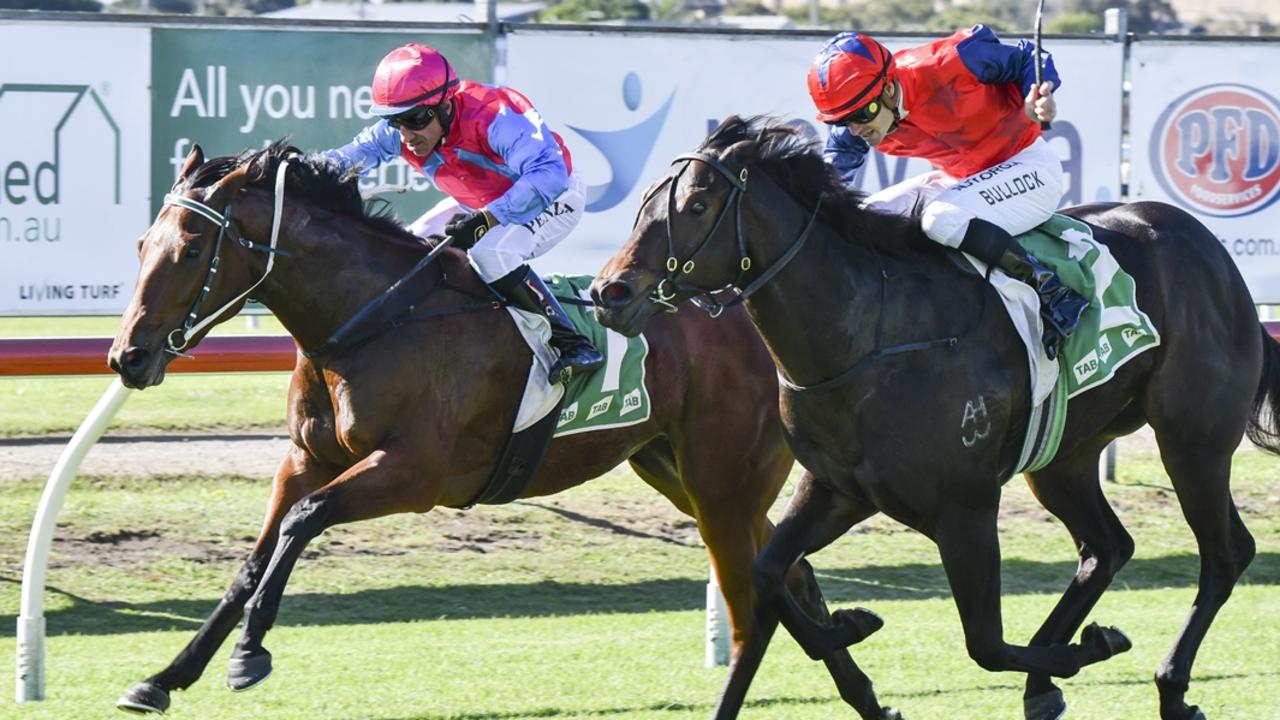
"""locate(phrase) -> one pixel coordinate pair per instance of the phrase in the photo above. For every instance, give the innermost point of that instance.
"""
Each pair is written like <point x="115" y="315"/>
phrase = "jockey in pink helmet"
<point x="968" y="104"/>
<point x="513" y="194"/>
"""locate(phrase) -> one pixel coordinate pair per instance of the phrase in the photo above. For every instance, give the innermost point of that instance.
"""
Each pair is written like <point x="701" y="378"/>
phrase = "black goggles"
<point x="862" y="115"/>
<point x="414" y="118"/>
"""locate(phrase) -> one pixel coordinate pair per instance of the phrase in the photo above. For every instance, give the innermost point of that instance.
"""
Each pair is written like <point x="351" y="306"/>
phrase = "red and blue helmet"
<point x="849" y="72"/>
<point x="409" y="76"/>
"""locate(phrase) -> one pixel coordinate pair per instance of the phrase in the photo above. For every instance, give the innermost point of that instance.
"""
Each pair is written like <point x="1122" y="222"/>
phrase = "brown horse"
<point x="885" y="346"/>
<point x="403" y="422"/>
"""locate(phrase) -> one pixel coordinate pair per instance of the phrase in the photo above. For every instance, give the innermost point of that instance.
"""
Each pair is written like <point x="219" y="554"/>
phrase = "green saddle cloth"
<point x="615" y="395"/>
<point x="1112" y="331"/>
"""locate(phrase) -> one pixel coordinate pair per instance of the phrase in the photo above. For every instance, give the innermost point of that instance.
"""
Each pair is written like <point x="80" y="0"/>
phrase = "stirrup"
<point x="564" y="371"/>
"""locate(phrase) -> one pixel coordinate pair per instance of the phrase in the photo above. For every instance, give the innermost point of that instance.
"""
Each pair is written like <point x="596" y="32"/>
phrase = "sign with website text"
<point x="656" y="96"/>
<point x="232" y="90"/>
<point x="73" y="167"/>
<point x="1207" y="139"/>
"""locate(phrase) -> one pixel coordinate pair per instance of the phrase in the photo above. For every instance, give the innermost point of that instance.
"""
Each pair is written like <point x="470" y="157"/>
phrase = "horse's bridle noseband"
<point x="673" y="282"/>
<point x="190" y="326"/>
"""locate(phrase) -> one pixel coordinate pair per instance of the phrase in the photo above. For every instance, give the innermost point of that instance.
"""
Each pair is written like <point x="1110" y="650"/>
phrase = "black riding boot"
<point x="1060" y="306"/>
<point x="524" y="289"/>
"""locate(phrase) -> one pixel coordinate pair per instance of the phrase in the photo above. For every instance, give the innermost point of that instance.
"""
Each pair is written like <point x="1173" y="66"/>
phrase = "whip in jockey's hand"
<point x="972" y="107"/>
<point x="513" y="193"/>
<point x="1040" y="105"/>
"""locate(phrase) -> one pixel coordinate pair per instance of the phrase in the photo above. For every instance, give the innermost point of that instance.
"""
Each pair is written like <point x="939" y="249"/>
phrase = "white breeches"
<point x="1017" y="194"/>
<point x="507" y="247"/>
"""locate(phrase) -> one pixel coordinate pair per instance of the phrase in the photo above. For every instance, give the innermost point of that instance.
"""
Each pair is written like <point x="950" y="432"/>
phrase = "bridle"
<point x="674" y="282"/>
<point x="177" y="340"/>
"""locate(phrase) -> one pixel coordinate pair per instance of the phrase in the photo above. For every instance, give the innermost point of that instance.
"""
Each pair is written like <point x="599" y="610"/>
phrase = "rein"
<point x="351" y="333"/>
<point x="346" y="336"/>
<point x="190" y="326"/>
<point x="672" y="283"/>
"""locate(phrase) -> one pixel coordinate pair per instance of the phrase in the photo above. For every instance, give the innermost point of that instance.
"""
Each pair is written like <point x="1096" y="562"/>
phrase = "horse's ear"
<point x="231" y="184"/>
<point x="195" y="159"/>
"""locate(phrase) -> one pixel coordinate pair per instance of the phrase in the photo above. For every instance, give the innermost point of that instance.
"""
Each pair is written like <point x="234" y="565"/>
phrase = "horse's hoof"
<point x="851" y="627"/>
<point x="1192" y="712"/>
<point x="1108" y="639"/>
<point x="1045" y="706"/>
<point x="890" y="714"/>
<point x="145" y="697"/>
<point x="249" y="671"/>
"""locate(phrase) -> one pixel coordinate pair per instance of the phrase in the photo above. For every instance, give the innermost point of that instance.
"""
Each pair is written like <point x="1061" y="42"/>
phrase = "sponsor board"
<point x="73" y="168"/>
<point x="1213" y="148"/>
<point x="1216" y="150"/>
<point x="232" y="90"/>
<point x="656" y="96"/>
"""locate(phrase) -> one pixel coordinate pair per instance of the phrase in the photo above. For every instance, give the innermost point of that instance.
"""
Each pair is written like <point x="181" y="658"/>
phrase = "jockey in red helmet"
<point x="969" y="105"/>
<point x="513" y="194"/>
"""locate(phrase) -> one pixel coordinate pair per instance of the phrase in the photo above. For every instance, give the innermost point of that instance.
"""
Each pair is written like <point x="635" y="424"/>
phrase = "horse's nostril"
<point x="615" y="294"/>
<point x="134" y="358"/>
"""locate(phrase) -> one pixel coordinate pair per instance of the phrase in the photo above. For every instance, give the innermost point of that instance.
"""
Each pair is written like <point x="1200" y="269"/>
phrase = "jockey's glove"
<point x="466" y="228"/>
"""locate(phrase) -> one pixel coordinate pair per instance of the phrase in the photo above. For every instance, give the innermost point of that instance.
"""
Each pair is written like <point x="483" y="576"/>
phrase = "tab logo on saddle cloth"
<point x="615" y="395"/>
<point x="1113" y="329"/>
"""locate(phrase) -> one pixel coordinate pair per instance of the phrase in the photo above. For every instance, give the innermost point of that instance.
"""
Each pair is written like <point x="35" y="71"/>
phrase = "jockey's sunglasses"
<point x="413" y="119"/>
<point x="862" y="115"/>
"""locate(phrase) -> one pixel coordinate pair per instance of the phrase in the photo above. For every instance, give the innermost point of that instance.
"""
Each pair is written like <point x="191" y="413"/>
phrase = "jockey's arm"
<point x="371" y="147"/>
<point x="528" y="148"/>
<point x="847" y="153"/>
<point x="991" y="61"/>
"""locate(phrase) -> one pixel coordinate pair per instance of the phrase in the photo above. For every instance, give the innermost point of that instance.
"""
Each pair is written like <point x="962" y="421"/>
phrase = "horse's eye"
<point x="697" y="207"/>
<point x="193" y="251"/>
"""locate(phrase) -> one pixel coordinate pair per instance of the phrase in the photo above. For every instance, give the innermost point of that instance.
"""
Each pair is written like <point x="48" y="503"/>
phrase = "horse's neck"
<point x="333" y="269"/>
<point x="818" y="316"/>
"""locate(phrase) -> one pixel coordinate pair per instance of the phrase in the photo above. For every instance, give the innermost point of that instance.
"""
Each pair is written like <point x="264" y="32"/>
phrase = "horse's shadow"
<point x="913" y="581"/>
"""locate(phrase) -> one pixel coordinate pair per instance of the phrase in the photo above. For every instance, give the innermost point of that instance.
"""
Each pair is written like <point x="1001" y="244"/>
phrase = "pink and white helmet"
<point x="409" y="76"/>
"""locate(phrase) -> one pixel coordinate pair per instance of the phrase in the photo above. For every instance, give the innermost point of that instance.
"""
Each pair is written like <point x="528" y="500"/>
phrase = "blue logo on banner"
<point x="626" y="150"/>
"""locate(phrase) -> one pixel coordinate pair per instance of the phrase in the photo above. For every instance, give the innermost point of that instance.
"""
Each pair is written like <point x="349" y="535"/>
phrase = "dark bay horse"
<point x="884" y="345"/>
<point x="416" y="417"/>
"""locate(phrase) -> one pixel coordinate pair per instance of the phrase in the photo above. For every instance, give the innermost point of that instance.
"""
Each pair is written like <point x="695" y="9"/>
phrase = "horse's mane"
<point x="313" y="178"/>
<point x="794" y="161"/>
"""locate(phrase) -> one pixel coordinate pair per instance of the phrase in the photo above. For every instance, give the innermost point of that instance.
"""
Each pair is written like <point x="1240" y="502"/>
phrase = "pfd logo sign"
<point x="1216" y="150"/>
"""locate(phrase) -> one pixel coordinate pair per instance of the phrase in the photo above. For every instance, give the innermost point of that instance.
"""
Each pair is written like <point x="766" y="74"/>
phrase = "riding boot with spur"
<point x="1060" y="306"/>
<point x="524" y="289"/>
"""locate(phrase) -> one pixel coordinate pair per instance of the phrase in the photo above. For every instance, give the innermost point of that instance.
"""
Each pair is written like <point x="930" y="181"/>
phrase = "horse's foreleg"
<point x="297" y="475"/>
<point x="814" y="518"/>
<point x="378" y="485"/>
<point x="1069" y="489"/>
<point x="970" y="550"/>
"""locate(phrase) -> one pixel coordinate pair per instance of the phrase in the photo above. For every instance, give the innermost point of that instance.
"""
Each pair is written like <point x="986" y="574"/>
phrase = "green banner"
<point x="230" y="90"/>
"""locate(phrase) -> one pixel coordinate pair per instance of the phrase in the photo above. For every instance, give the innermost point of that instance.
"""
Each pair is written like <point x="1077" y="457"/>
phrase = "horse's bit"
<point x="190" y="326"/>
<point x="673" y="283"/>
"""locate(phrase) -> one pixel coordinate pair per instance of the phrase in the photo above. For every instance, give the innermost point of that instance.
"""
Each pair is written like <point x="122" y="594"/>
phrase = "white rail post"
<point x="30" y="677"/>
<point x="717" y="624"/>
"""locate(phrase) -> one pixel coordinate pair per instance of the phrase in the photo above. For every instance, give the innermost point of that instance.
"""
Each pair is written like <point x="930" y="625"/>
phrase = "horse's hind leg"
<point x="970" y="550"/>
<point x="1069" y="489"/>
<point x="1201" y="480"/>
<point x="298" y="475"/>
<point x="381" y="484"/>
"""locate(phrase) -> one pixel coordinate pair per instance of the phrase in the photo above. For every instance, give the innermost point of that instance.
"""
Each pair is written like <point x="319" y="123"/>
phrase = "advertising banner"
<point x="231" y="90"/>
<point x="1206" y="137"/>
<point x="74" y="166"/>
<point x="626" y="104"/>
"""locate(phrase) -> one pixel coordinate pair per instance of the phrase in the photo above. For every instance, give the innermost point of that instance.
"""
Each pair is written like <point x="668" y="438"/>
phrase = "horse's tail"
<point x="1263" y="429"/>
